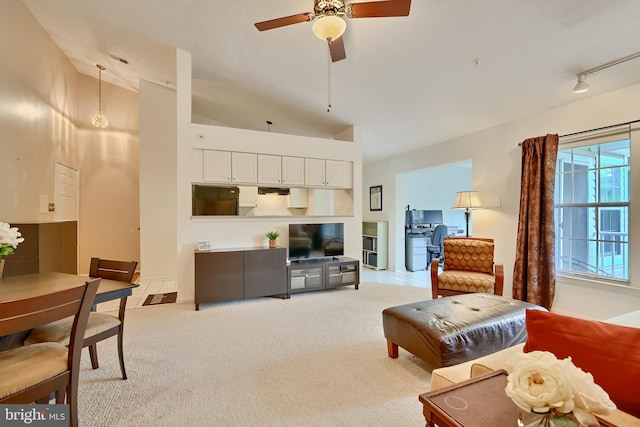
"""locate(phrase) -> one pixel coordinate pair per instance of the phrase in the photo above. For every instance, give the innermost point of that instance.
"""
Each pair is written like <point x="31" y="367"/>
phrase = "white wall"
<point x="164" y="216"/>
<point x="431" y="188"/>
<point x="157" y="176"/>
<point x="435" y="189"/>
<point x="45" y="112"/>
<point x="496" y="161"/>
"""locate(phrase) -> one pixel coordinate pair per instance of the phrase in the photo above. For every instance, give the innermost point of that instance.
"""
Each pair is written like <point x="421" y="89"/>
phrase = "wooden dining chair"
<point x="33" y="373"/>
<point x="100" y="325"/>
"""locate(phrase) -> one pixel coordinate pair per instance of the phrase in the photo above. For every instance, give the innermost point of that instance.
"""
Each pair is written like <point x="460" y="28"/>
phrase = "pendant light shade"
<point x="329" y="27"/>
<point x="99" y="120"/>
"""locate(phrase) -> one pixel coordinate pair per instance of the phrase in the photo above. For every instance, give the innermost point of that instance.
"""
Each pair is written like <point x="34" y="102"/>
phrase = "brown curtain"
<point x="534" y="277"/>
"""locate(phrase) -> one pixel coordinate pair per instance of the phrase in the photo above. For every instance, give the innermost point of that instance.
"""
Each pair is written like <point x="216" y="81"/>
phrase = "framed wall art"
<point x="375" y="198"/>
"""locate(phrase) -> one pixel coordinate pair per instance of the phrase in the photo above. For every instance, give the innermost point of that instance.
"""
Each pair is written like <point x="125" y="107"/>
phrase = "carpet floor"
<point x="317" y="359"/>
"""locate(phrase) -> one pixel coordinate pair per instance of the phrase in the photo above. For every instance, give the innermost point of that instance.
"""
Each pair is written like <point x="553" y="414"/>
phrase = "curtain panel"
<point x="534" y="277"/>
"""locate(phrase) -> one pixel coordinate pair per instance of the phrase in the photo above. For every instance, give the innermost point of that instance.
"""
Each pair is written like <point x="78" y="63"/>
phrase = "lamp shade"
<point x="329" y="27"/>
<point x="467" y="200"/>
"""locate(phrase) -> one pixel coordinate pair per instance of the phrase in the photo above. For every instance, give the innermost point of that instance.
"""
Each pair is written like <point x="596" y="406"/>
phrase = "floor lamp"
<point x="467" y="200"/>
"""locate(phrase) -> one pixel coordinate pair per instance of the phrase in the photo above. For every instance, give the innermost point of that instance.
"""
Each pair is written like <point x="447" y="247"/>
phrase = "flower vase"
<point x="531" y="419"/>
<point x="549" y="419"/>
<point x="272" y="244"/>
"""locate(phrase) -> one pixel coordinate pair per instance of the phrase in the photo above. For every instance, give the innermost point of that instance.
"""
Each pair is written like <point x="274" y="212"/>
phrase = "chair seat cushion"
<point x="466" y="281"/>
<point x="60" y="330"/>
<point x="23" y="367"/>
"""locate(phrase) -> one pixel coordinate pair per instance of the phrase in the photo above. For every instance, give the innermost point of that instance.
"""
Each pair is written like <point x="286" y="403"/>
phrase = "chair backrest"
<point x="122" y="271"/>
<point x="23" y="314"/>
<point x="439" y="233"/>
<point x="470" y="254"/>
<point x="20" y="314"/>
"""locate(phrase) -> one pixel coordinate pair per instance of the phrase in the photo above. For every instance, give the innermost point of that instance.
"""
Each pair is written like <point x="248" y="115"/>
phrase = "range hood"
<point x="273" y="190"/>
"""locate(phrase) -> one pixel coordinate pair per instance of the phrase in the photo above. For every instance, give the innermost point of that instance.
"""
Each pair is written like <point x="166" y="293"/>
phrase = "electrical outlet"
<point x="498" y="202"/>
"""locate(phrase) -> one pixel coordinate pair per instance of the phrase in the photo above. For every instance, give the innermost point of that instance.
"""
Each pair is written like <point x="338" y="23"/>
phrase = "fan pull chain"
<point x="329" y="82"/>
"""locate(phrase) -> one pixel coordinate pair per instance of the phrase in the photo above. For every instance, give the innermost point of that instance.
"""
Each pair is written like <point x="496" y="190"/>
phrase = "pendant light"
<point x="100" y="120"/>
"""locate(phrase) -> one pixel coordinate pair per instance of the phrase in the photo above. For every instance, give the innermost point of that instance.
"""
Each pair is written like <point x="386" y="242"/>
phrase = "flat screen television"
<point x="316" y="240"/>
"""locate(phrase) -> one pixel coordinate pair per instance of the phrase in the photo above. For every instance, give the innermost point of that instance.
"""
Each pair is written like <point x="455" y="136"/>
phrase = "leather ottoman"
<point x="455" y="329"/>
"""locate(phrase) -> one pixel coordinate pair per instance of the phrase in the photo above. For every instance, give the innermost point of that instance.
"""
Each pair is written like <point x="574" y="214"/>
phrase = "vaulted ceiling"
<point x="450" y="68"/>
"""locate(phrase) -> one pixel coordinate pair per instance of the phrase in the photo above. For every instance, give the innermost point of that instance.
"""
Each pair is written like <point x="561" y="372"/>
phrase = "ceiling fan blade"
<point x="287" y="20"/>
<point x="336" y="49"/>
<point x="380" y="9"/>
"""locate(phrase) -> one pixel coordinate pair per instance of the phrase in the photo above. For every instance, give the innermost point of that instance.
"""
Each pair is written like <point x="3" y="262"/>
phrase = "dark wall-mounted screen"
<point x="208" y="200"/>
<point x="316" y="240"/>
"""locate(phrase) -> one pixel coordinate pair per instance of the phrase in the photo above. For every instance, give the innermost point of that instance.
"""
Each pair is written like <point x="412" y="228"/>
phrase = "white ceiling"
<point x="407" y="82"/>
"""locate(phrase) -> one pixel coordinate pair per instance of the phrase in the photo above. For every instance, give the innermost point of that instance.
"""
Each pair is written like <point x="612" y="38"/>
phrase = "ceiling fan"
<point x="330" y="24"/>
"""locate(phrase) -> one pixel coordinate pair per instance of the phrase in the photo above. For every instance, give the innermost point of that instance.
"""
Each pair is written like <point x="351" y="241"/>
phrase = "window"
<point x="591" y="200"/>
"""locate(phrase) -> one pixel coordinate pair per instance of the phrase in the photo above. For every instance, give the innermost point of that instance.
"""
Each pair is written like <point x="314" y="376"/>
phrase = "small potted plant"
<point x="272" y="236"/>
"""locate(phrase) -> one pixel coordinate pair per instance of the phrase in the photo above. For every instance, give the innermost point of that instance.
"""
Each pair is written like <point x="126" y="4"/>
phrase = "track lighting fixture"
<point x="583" y="86"/>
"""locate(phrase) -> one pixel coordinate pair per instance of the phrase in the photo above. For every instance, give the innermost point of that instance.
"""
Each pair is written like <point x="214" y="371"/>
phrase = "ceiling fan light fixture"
<point x="582" y="85"/>
<point x="329" y="27"/>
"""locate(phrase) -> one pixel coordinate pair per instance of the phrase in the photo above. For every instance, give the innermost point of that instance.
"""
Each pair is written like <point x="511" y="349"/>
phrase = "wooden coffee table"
<point x="478" y="402"/>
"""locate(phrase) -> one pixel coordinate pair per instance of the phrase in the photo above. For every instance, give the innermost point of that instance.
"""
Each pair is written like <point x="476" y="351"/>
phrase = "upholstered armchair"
<point x="468" y="267"/>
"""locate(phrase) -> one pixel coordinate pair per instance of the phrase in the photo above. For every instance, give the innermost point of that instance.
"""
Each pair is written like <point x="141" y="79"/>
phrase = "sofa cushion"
<point x="611" y="353"/>
<point x="468" y="255"/>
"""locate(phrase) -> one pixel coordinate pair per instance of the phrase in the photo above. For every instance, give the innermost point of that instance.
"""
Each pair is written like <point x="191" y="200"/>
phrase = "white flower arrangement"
<point x="9" y="239"/>
<point x="540" y="383"/>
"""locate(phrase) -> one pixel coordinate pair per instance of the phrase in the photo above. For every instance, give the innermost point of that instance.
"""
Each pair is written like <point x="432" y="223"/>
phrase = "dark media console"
<point x="317" y="274"/>
<point x="233" y="274"/>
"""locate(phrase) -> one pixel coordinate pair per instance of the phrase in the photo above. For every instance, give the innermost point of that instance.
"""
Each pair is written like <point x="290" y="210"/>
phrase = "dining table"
<point x="30" y="285"/>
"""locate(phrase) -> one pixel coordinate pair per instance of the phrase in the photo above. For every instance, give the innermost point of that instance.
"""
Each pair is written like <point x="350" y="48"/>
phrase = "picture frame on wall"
<point x="375" y="198"/>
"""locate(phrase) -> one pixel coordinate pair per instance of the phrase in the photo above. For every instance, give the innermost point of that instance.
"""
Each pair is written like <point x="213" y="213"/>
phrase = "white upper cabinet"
<point x="292" y="170"/>
<point x="314" y="172"/>
<point x="280" y="170"/>
<point x="217" y="166"/>
<point x="328" y="173"/>
<point x="237" y="168"/>
<point x="339" y="174"/>
<point x="269" y="169"/>
<point x="248" y="197"/>
<point x="244" y="168"/>
<point x="298" y="198"/>
<point x="228" y="167"/>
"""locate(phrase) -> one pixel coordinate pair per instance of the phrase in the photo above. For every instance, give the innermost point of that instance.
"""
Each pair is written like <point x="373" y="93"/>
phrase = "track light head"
<point x="582" y="85"/>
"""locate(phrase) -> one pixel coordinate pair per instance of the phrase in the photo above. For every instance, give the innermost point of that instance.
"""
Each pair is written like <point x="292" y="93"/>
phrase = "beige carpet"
<point x="318" y="359"/>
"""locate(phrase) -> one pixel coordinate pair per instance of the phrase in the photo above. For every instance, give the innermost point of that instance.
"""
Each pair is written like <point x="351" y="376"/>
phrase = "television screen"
<point x="316" y="240"/>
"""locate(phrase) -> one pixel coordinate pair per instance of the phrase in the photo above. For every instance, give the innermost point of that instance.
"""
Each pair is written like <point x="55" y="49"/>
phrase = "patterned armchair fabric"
<point x="468" y="267"/>
<point x="468" y="255"/>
